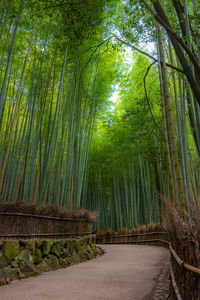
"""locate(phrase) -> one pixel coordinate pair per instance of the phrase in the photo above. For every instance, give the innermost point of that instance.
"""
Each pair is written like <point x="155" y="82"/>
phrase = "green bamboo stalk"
<point x="171" y="126"/>
<point x="3" y="88"/>
<point x="196" y="29"/>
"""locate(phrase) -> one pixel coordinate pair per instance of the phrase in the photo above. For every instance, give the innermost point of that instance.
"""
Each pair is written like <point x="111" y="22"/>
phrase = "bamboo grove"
<point x="47" y="104"/>
<point x="131" y="195"/>
<point x="63" y="142"/>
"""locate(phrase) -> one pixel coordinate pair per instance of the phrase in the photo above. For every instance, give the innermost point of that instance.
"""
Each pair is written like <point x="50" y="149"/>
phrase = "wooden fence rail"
<point x="43" y="235"/>
<point x="41" y="217"/>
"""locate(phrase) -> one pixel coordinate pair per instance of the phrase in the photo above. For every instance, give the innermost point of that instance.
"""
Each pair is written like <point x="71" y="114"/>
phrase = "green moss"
<point x="43" y="267"/>
<point x="3" y="261"/>
<point x="46" y="247"/>
<point x="45" y="254"/>
<point x="52" y="262"/>
<point x="8" y="274"/>
<point x="64" y="253"/>
<point x="30" y="273"/>
<point x="10" y="250"/>
<point x="56" y="248"/>
<point x="82" y="254"/>
<point x="76" y="259"/>
<point x="90" y="241"/>
<point x="69" y="245"/>
<point x="37" y="256"/>
<point x="84" y="242"/>
<point x="30" y="245"/>
<point x="24" y="254"/>
<point x="25" y="261"/>
<point x="77" y="245"/>
<point x="64" y="262"/>
<point x="38" y="243"/>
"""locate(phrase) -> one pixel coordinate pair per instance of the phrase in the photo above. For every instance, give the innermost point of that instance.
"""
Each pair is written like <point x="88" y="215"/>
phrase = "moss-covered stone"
<point x="46" y="247"/>
<point x="30" y="245"/>
<point x="88" y="248"/>
<point x="90" y="241"/>
<point x="37" y="256"/>
<point x="64" y="253"/>
<point x="3" y="261"/>
<point x="24" y="254"/>
<point x="21" y="274"/>
<point x="25" y="261"/>
<point x="62" y="242"/>
<point x="26" y="266"/>
<point x="69" y="242"/>
<point x="90" y="252"/>
<point x="14" y="264"/>
<point x="84" y="242"/>
<point x="69" y="246"/>
<point x="64" y="262"/>
<point x="52" y="262"/>
<point x="69" y="261"/>
<point x="56" y="248"/>
<point x="76" y="258"/>
<point x="38" y="243"/>
<point x="43" y="267"/>
<point x="30" y="273"/>
<point x="82" y="254"/>
<point x="93" y="248"/>
<point x="77" y="245"/>
<point x="10" y="250"/>
<point x="88" y="255"/>
<point x="8" y="274"/>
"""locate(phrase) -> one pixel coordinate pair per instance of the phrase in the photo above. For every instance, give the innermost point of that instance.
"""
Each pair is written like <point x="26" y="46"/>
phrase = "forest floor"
<point x="124" y="272"/>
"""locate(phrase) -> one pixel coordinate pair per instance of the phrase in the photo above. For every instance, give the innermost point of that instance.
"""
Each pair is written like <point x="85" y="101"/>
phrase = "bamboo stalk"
<point x="171" y="125"/>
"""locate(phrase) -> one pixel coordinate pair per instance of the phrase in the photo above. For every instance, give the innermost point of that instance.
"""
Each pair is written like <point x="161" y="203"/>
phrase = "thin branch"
<point x="178" y="45"/>
<point x="131" y="46"/>
<point x="147" y="96"/>
<point x="99" y="45"/>
<point x="165" y="23"/>
<point x="146" y="54"/>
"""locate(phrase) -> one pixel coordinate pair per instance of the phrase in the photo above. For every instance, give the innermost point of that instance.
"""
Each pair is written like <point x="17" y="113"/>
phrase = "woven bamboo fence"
<point x="28" y="225"/>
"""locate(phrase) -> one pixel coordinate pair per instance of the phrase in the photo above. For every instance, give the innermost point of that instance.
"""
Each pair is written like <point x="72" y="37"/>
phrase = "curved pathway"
<point x="124" y="272"/>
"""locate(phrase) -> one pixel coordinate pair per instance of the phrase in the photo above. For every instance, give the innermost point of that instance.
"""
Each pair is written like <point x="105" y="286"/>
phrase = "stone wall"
<point x="24" y="258"/>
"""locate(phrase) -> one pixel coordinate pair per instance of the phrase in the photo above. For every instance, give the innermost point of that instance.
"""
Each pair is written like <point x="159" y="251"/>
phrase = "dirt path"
<point x="124" y="272"/>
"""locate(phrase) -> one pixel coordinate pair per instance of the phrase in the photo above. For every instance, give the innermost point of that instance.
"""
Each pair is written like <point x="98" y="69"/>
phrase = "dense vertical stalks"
<point x="46" y="118"/>
<point x="170" y="129"/>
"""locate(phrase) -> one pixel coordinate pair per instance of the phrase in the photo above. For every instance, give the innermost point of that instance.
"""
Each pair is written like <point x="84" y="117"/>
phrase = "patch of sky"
<point x="115" y="97"/>
<point x="128" y="61"/>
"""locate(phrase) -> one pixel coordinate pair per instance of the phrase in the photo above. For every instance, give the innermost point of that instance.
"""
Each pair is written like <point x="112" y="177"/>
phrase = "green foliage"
<point x="63" y="140"/>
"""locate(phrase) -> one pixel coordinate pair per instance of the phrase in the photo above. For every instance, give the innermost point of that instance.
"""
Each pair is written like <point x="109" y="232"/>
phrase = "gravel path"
<point x="124" y="272"/>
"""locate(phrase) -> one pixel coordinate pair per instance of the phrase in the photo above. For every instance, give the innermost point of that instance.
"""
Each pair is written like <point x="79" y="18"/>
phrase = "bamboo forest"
<point x="99" y="107"/>
<point x="100" y="140"/>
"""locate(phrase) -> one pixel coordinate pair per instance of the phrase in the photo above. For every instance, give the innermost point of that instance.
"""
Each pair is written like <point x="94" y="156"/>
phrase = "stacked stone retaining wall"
<point x="24" y="258"/>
